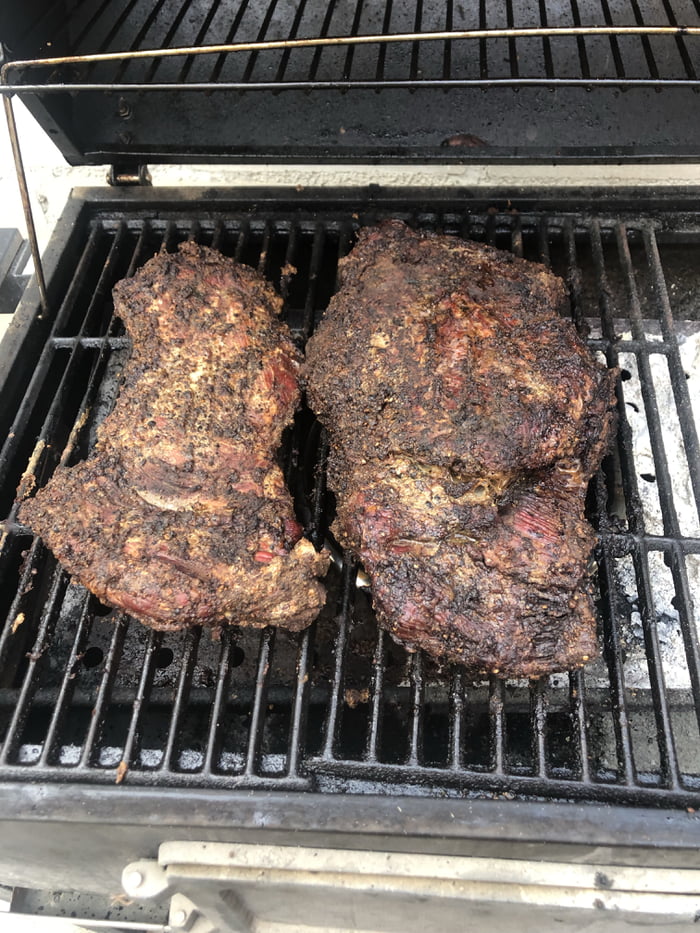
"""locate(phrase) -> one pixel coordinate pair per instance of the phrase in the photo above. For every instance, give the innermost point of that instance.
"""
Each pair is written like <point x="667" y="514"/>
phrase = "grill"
<point x="98" y="712"/>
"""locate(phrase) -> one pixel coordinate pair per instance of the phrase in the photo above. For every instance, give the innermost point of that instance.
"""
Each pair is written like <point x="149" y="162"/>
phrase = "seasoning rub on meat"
<point x="466" y="418"/>
<point x="180" y="515"/>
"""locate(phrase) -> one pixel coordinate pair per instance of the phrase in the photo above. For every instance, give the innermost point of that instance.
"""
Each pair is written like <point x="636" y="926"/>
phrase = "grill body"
<point x="114" y="739"/>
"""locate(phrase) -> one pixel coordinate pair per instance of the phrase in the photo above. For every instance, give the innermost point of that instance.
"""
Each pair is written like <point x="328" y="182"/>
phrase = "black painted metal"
<point x="503" y="98"/>
<point x="89" y="697"/>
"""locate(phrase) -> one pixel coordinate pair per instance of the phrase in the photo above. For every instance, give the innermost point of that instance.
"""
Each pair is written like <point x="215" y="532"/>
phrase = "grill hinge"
<point x="123" y="175"/>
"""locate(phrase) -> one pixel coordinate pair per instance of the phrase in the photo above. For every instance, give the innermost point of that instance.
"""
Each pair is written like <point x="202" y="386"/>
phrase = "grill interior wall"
<point x="344" y="119"/>
<point x="86" y="695"/>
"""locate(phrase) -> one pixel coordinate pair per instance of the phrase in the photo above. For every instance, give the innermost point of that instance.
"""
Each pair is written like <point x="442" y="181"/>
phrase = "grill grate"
<point x="89" y="696"/>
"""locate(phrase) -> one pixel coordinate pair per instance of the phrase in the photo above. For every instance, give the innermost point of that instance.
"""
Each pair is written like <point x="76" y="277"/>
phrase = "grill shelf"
<point x="88" y="696"/>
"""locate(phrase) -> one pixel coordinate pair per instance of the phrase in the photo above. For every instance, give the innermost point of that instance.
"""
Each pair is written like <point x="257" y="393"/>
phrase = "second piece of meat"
<point x="180" y="516"/>
<point x="466" y="418"/>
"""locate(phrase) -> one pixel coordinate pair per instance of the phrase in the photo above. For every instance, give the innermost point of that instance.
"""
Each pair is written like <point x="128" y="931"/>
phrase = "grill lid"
<point x="326" y="81"/>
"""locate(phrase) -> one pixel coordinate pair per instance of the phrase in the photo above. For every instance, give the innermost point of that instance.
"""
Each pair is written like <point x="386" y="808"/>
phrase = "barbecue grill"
<point x="331" y="778"/>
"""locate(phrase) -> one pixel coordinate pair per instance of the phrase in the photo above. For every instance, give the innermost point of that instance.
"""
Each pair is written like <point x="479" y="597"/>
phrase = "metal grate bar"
<point x="194" y="234"/>
<point x="242" y="240"/>
<point x="49" y="616"/>
<point x="543" y="243"/>
<point x="66" y="688"/>
<point x="184" y="684"/>
<point x="514" y="784"/>
<point x="417" y="708"/>
<point x="341" y="646"/>
<point x="264" y="258"/>
<point x="574" y="278"/>
<point x="457" y="707"/>
<point x="497" y="725"/>
<point x="663" y="478"/>
<point x="104" y="689"/>
<point x="375" y="701"/>
<point x="538" y="719"/>
<point x="257" y="715"/>
<point x="516" y="237"/>
<point x="662" y="714"/>
<point x="218" y="235"/>
<point x="613" y="657"/>
<point x="131" y="744"/>
<point x="415" y="48"/>
<point x="687" y="607"/>
<point x="678" y="381"/>
<point x="490" y="229"/>
<point x="577" y="703"/>
<point x="89" y="343"/>
<point x="211" y="755"/>
<point x="315" y="267"/>
<point x="300" y="702"/>
<point x="317" y="524"/>
<point x="290" y="260"/>
<point x="170" y="236"/>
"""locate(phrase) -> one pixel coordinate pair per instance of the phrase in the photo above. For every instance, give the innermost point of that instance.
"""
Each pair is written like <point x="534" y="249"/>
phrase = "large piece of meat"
<point x="466" y="418"/>
<point x="180" y="516"/>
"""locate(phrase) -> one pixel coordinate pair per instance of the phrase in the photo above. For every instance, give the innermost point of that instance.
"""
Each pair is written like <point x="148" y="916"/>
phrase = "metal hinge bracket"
<point x="123" y="175"/>
<point x="253" y="888"/>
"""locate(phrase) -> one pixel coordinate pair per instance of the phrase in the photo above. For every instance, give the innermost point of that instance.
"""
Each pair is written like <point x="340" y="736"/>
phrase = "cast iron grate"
<point x="89" y="696"/>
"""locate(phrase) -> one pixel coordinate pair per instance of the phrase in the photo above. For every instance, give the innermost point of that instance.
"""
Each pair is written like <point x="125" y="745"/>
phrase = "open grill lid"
<point x="300" y="80"/>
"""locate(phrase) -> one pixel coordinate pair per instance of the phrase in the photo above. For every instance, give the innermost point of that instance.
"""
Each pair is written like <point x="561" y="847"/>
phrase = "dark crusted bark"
<point x="466" y="418"/>
<point x="180" y="515"/>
